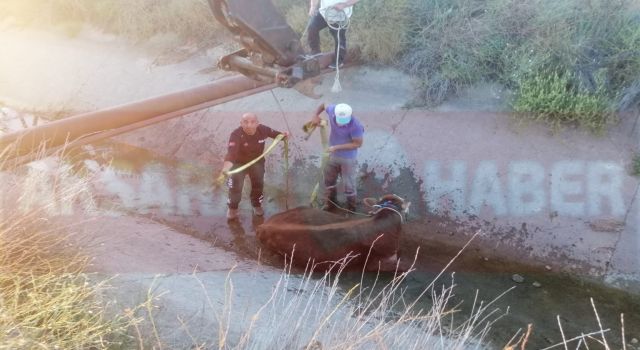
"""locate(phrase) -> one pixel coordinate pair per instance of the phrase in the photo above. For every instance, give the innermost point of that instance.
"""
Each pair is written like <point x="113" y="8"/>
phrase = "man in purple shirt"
<point x="346" y="137"/>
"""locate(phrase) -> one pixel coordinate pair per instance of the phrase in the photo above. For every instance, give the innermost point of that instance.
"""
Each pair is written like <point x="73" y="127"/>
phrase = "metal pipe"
<point x="60" y="150"/>
<point x="71" y="129"/>
<point x="236" y="62"/>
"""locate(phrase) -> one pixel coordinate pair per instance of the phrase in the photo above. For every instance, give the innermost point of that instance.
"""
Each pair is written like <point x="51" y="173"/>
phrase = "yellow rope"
<point x="286" y="173"/>
<point x="323" y="161"/>
<point x="226" y="174"/>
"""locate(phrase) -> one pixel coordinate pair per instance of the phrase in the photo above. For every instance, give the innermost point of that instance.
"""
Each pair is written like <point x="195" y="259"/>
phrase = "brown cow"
<point x="323" y="237"/>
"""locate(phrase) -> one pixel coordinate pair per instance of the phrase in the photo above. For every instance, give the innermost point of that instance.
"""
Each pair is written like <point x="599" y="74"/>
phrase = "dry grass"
<point x="331" y="311"/>
<point x="46" y="301"/>
<point x="376" y="33"/>
<point x="190" y="20"/>
<point x="379" y="29"/>
<point x="324" y="312"/>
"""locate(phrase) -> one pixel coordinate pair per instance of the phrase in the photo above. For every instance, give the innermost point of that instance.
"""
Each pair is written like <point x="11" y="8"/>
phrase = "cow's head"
<point x="389" y="202"/>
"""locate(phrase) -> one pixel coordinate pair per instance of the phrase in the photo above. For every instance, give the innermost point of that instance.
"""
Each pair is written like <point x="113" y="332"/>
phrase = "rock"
<point x="548" y="340"/>
<point x="634" y="341"/>
<point x="517" y="278"/>
<point x="607" y="225"/>
<point x="547" y="267"/>
<point x="486" y="259"/>
<point x="537" y="284"/>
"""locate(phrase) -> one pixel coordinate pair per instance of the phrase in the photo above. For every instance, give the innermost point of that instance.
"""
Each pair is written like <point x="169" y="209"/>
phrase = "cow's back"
<point x="319" y="235"/>
<point x="305" y="216"/>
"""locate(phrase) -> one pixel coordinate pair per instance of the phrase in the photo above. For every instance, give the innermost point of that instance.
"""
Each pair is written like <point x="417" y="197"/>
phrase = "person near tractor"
<point x="318" y="21"/>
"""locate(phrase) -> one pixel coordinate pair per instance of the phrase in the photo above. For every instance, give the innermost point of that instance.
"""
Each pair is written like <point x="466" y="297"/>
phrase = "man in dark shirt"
<point x="245" y="144"/>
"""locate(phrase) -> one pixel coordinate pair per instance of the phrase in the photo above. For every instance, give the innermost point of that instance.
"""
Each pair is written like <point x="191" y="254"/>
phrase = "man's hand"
<point x="331" y="149"/>
<point x="343" y="5"/>
<point x="316" y="117"/>
<point x="221" y="178"/>
<point x="286" y="135"/>
<point x="226" y="166"/>
<point x="340" y="6"/>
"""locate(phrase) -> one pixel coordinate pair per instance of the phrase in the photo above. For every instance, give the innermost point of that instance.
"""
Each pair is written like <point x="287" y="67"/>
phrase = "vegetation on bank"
<point x="46" y="301"/>
<point x="570" y="61"/>
<point x="190" y="20"/>
<point x="635" y="165"/>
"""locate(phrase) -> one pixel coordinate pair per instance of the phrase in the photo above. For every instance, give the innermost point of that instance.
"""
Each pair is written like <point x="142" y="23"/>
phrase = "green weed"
<point x="635" y="165"/>
<point x="552" y="97"/>
<point x="452" y="44"/>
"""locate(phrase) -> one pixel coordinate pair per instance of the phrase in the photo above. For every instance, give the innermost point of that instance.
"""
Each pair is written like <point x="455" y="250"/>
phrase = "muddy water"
<point x="538" y="297"/>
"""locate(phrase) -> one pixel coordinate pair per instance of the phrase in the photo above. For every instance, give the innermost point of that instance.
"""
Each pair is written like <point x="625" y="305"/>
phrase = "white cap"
<point x="343" y="113"/>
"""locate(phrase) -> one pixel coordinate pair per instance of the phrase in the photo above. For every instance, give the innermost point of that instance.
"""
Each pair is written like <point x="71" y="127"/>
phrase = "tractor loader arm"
<point x="271" y="49"/>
